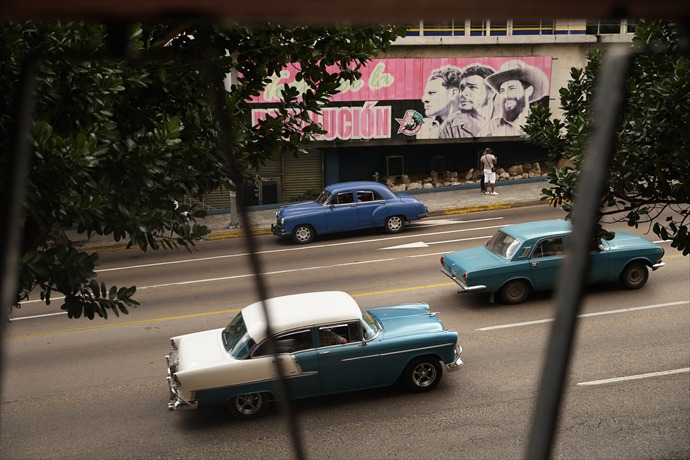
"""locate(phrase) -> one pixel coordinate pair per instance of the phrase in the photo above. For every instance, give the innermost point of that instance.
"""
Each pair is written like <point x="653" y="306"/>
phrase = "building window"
<point x="448" y="28"/>
<point x="605" y="27"/>
<point x="478" y="27"/>
<point x="415" y="30"/>
<point x="485" y="27"/>
<point x="498" y="28"/>
<point x="533" y="27"/>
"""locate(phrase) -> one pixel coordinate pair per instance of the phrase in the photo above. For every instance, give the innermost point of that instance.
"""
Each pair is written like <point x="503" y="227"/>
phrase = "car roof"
<point x="528" y="230"/>
<point x="300" y="310"/>
<point x="362" y="184"/>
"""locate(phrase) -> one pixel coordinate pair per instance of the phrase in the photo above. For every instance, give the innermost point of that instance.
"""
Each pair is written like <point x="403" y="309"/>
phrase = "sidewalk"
<point x="456" y="200"/>
<point x="445" y="201"/>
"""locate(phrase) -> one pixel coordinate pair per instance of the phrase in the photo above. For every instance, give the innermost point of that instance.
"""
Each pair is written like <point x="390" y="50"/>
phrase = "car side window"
<point x="345" y="198"/>
<point x="340" y="334"/>
<point x="549" y="247"/>
<point x="365" y="196"/>
<point x="287" y="343"/>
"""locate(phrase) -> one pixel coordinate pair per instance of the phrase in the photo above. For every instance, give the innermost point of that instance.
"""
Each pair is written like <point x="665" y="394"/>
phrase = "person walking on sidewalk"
<point x="488" y="161"/>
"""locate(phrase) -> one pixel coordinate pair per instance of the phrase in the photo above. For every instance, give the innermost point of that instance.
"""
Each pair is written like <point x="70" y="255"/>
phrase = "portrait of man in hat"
<point x="517" y="86"/>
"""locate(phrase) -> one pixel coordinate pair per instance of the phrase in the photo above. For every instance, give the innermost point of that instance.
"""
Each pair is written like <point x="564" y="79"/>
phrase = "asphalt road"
<point x="82" y="389"/>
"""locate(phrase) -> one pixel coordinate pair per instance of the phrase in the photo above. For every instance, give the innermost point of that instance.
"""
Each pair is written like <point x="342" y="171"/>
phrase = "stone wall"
<point x="454" y="178"/>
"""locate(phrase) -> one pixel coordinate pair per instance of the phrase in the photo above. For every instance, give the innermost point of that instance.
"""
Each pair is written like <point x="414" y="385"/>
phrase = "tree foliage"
<point x="117" y="140"/>
<point x="649" y="178"/>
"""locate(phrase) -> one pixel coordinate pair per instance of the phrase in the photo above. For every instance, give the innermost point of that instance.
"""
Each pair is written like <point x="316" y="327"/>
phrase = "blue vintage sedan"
<point x="526" y="257"/>
<point x="348" y="206"/>
<point x="325" y="343"/>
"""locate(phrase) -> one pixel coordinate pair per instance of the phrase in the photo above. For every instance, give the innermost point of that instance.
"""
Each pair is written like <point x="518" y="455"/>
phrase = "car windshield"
<point x="236" y="339"/>
<point x="370" y="325"/>
<point x="323" y="197"/>
<point x="503" y="245"/>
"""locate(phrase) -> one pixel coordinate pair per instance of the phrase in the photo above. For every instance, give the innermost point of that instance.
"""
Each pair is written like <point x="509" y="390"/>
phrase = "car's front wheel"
<point x="248" y="406"/>
<point x="394" y="224"/>
<point x="514" y="291"/>
<point x="422" y="374"/>
<point x="634" y="275"/>
<point x="303" y="234"/>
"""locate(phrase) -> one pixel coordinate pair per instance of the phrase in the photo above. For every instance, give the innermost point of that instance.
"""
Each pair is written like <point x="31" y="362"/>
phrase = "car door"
<point x="599" y="263"/>
<point x="367" y="203"/>
<point x="352" y="365"/>
<point x="341" y="215"/>
<point x="299" y="362"/>
<point x="545" y="261"/>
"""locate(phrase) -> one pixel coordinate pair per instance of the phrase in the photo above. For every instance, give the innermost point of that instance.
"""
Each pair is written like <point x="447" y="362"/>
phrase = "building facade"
<point x="439" y="97"/>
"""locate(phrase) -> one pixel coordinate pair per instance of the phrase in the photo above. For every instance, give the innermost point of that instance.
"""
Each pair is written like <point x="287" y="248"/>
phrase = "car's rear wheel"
<point x="514" y="291"/>
<point x="634" y="275"/>
<point x="249" y="405"/>
<point x="394" y="224"/>
<point x="422" y="374"/>
<point x="303" y="234"/>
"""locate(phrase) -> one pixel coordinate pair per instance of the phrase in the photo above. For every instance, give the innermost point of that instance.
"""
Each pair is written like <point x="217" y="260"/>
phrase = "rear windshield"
<point x="503" y="245"/>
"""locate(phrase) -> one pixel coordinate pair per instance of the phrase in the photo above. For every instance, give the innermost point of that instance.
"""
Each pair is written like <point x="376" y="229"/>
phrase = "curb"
<point x="235" y="234"/>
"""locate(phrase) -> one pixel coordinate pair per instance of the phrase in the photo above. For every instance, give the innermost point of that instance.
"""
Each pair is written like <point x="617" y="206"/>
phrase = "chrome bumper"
<point x="459" y="282"/>
<point x="180" y="404"/>
<point x="657" y="266"/>
<point x="175" y="401"/>
<point x="277" y="230"/>
<point x="457" y="361"/>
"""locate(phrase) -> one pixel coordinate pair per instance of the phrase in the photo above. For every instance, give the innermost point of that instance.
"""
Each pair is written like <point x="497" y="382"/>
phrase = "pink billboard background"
<point x="399" y="79"/>
<point x="386" y="101"/>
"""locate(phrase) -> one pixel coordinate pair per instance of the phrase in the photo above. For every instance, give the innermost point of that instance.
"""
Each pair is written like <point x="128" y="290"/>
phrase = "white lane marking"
<point x="435" y="222"/>
<point x="39" y="316"/>
<point x="248" y="275"/>
<point x="635" y="377"/>
<point x="586" y="315"/>
<point x="300" y="248"/>
<point x="421" y="244"/>
<point x="294" y="270"/>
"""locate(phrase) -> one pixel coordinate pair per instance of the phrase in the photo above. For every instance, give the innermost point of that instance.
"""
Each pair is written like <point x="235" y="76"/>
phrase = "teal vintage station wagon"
<point x="325" y="343"/>
<point x="526" y="257"/>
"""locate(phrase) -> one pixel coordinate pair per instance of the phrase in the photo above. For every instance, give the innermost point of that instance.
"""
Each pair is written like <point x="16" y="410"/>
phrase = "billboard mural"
<point x="439" y="98"/>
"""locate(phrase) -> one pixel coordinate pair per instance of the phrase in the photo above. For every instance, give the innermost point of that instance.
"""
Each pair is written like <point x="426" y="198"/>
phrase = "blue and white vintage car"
<point x="325" y="343"/>
<point x="526" y="257"/>
<point x="348" y="206"/>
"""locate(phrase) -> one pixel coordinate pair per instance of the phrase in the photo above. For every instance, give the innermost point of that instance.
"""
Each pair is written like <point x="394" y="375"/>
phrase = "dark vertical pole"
<point x="11" y="199"/>
<point x="609" y="97"/>
<point x="232" y="169"/>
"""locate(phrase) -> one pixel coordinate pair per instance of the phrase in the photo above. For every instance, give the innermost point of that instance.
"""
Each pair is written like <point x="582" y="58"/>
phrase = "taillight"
<point x="464" y="276"/>
<point x="442" y="261"/>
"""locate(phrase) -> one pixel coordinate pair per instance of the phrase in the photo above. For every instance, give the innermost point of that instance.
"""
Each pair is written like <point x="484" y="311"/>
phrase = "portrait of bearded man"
<point x="517" y="86"/>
